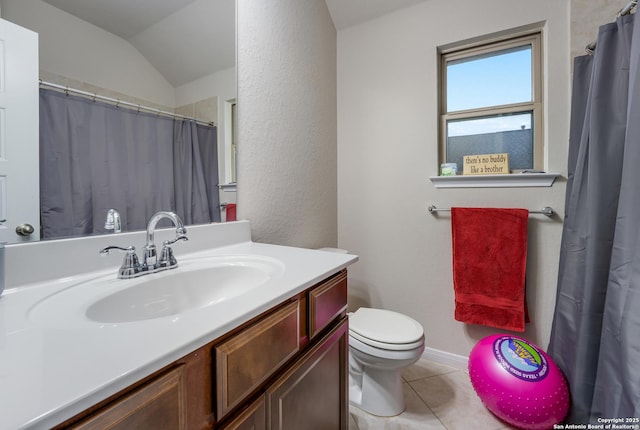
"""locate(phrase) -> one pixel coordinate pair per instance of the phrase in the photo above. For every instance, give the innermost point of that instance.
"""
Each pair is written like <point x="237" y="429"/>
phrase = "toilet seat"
<point x="386" y="346"/>
<point x="385" y="329"/>
<point x="388" y="354"/>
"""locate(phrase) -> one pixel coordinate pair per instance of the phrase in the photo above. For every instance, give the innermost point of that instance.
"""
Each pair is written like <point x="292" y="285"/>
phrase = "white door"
<point x="19" y="134"/>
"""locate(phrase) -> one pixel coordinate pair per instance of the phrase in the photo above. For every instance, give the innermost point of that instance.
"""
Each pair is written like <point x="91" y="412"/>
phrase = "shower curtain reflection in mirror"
<point x="95" y="156"/>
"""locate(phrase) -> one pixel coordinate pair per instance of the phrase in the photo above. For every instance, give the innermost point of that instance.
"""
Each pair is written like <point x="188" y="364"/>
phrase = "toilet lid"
<point x="385" y="326"/>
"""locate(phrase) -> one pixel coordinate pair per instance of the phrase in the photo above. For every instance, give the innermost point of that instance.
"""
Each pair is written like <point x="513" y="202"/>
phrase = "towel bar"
<point x="547" y="210"/>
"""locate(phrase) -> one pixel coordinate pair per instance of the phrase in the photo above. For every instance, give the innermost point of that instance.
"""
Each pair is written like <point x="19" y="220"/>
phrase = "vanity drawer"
<point x="160" y="403"/>
<point x="248" y="358"/>
<point x="326" y="302"/>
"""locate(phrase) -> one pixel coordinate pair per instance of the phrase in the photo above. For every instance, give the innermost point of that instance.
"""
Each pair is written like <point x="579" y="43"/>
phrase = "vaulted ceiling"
<point x="346" y="13"/>
<point x="189" y="39"/>
<point x="183" y="39"/>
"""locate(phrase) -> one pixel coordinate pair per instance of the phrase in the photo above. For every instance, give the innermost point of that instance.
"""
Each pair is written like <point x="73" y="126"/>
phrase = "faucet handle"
<point x="179" y="236"/>
<point x="167" y="260"/>
<point x="130" y="267"/>
<point x="128" y="249"/>
<point x="166" y="254"/>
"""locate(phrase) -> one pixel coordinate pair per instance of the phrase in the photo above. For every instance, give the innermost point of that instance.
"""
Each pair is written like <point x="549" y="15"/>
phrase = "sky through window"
<point x="493" y="79"/>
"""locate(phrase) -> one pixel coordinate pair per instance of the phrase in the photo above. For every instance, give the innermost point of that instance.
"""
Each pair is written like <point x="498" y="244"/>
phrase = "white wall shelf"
<point x="512" y="180"/>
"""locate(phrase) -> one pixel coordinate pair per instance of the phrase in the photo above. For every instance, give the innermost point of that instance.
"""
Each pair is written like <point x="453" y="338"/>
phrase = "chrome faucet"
<point x="113" y="221"/>
<point x="132" y="268"/>
<point x="150" y="253"/>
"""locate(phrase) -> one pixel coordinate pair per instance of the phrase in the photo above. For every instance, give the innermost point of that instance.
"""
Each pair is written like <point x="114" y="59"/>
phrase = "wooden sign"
<point x="486" y="164"/>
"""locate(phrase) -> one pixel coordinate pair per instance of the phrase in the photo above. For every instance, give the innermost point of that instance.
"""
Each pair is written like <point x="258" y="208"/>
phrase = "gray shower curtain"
<point x="95" y="156"/>
<point x="595" y="338"/>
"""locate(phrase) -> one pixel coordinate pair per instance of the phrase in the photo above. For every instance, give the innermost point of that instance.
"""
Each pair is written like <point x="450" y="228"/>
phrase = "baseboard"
<point x="446" y="358"/>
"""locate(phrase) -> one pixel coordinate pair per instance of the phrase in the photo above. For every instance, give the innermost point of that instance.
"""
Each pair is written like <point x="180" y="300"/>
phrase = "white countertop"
<point x="50" y="372"/>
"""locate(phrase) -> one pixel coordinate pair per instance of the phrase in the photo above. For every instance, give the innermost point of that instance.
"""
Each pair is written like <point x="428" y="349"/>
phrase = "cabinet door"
<point x="312" y="394"/>
<point x="159" y="404"/>
<point x="253" y="418"/>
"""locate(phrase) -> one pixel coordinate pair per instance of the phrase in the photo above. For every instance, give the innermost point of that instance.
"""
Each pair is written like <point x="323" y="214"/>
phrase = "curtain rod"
<point x="117" y="102"/>
<point x="590" y="48"/>
<point x="547" y="210"/>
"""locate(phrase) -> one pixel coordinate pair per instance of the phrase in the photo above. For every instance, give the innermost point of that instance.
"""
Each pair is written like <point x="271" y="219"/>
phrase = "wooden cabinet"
<point x="327" y="301"/>
<point x="155" y="405"/>
<point x="285" y="369"/>
<point x="247" y="359"/>
<point x="312" y="393"/>
<point x="252" y="418"/>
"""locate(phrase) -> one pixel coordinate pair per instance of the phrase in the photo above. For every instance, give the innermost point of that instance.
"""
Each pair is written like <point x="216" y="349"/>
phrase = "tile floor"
<point x="438" y="397"/>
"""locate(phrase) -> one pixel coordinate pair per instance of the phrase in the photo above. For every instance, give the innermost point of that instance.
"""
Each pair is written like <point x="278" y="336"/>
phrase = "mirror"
<point x="174" y="56"/>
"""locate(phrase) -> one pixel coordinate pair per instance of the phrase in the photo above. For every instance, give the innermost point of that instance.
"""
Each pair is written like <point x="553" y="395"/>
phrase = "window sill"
<point x="230" y="187"/>
<point x="512" y="180"/>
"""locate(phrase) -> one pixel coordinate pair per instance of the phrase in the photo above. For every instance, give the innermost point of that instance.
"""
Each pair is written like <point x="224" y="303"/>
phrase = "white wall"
<point x="76" y="49"/>
<point x="222" y="84"/>
<point x="586" y="17"/>
<point x="287" y="121"/>
<point x="387" y="149"/>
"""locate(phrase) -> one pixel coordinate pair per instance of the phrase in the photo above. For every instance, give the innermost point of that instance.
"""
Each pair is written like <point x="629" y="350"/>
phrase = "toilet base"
<point x="380" y="393"/>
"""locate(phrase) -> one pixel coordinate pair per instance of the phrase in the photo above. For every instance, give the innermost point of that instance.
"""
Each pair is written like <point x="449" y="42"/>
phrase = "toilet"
<point x="381" y="344"/>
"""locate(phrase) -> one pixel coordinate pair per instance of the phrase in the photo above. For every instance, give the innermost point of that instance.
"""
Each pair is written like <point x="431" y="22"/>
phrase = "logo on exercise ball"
<point x="520" y="358"/>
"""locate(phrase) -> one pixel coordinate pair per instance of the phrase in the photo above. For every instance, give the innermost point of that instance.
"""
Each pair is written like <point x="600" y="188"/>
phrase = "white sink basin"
<point x="195" y="284"/>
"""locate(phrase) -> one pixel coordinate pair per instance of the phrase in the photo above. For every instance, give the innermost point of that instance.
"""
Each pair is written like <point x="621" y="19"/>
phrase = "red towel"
<point x="489" y="264"/>
<point x="231" y="212"/>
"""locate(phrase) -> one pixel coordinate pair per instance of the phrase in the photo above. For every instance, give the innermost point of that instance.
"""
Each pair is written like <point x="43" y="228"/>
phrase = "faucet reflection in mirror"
<point x="113" y="222"/>
<point x="131" y="266"/>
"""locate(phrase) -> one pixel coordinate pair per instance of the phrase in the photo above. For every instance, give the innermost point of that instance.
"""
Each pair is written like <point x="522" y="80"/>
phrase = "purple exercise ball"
<point x="518" y="382"/>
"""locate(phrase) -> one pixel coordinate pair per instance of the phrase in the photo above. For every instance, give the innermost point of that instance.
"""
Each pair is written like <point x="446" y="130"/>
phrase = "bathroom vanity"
<point x="272" y="356"/>
<point x="287" y="365"/>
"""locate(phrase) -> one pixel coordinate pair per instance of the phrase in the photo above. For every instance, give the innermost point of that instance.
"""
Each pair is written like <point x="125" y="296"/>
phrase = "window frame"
<point x="535" y="106"/>
<point x="234" y="141"/>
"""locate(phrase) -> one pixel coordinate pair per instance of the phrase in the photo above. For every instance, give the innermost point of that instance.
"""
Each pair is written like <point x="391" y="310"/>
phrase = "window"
<point x="491" y="101"/>
<point x="234" y="142"/>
